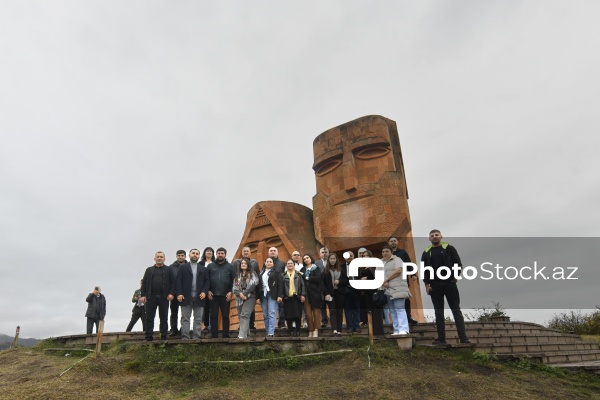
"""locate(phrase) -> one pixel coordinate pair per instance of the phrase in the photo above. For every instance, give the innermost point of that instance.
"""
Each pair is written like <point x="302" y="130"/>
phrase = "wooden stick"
<point x="370" y="320"/>
<point x="15" y="342"/>
<point x="99" y="337"/>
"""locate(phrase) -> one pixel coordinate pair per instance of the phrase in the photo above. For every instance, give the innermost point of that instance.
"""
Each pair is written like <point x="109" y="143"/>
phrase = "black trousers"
<point x="324" y="319"/>
<point x="407" y="308"/>
<point x="90" y="324"/>
<point x="206" y="316"/>
<point x="154" y="302"/>
<point x="450" y="291"/>
<point x="281" y="320"/>
<point x="219" y="303"/>
<point x="137" y="313"/>
<point x="174" y="306"/>
<point x="376" y="312"/>
<point x="293" y="325"/>
<point x="336" y="310"/>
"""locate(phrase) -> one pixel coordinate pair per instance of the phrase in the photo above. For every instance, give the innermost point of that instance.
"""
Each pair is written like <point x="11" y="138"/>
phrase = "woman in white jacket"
<point x="396" y="290"/>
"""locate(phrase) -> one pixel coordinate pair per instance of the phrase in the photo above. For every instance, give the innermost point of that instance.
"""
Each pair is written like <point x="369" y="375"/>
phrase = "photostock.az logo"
<point x="362" y="284"/>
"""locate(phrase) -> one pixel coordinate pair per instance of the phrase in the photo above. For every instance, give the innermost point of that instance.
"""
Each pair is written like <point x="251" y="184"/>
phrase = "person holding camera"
<point x="96" y="309"/>
<point x="138" y="312"/>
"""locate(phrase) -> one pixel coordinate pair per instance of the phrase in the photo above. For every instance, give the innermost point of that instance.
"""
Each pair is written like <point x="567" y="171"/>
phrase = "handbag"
<point x="379" y="298"/>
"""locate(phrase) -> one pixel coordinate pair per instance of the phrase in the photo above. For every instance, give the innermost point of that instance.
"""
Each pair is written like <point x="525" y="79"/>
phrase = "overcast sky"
<point x="132" y="127"/>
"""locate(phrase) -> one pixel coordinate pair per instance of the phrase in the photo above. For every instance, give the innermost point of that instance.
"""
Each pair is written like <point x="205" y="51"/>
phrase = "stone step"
<point x="492" y="337"/>
<point x="591" y="366"/>
<point x="535" y="348"/>
<point x="557" y="357"/>
<point x="525" y="339"/>
<point x="471" y="331"/>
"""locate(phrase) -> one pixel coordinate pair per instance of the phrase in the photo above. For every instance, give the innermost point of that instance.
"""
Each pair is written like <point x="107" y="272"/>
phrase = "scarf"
<point x="308" y="271"/>
<point x="292" y="291"/>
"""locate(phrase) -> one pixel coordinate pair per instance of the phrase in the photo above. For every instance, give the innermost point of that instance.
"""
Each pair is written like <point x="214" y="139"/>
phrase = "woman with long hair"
<point x="313" y="278"/>
<point x="208" y="256"/>
<point x="396" y="290"/>
<point x="336" y="286"/>
<point x="293" y="295"/>
<point x="244" y="286"/>
<point x="270" y="290"/>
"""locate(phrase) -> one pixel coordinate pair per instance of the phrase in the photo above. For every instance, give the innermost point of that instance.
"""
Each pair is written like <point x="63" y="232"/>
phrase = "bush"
<point x="486" y="314"/>
<point x="574" y="321"/>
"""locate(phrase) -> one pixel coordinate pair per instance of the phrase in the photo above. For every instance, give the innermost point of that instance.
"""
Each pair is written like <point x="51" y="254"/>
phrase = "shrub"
<point x="486" y="314"/>
<point x="577" y="322"/>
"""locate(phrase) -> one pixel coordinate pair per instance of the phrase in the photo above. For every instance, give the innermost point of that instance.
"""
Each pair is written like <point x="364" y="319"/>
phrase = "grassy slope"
<point x="134" y="371"/>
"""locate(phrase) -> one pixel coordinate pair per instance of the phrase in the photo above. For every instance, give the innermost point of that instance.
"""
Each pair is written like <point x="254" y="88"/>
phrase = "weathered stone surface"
<point x="362" y="197"/>
<point x="287" y="226"/>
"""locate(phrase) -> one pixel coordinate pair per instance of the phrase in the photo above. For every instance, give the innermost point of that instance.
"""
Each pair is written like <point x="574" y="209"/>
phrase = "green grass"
<point x="126" y="370"/>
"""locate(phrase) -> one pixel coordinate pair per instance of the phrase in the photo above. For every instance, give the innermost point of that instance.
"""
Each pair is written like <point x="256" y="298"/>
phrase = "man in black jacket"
<point x="403" y="255"/>
<point x="191" y="289"/>
<point x="157" y="290"/>
<point x="221" y="275"/>
<point x="441" y="254"/>
<point x="96" y="310"/>
<point x="174" y="304"/>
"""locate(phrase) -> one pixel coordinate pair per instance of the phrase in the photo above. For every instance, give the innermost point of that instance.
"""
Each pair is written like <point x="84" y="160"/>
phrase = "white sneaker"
<point x="403" y="333"/>
<point x="395" y="334"/>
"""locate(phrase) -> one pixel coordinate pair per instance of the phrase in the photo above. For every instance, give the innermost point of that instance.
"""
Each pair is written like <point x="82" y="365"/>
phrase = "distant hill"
<point x="5" y="341"/>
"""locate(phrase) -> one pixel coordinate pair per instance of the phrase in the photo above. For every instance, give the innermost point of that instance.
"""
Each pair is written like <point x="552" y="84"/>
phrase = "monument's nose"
<point x="350" y="181"/>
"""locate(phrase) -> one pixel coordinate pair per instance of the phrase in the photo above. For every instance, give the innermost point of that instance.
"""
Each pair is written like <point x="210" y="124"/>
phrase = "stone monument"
<point x="361" y="200"/>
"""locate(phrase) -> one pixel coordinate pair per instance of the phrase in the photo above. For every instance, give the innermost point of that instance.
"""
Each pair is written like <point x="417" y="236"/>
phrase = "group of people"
<point x="296" y="293"/>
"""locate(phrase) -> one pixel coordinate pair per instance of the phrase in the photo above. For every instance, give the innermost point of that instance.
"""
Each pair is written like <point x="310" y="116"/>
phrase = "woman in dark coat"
<point x="293" y="295"/>
<point x="313" y="278"/>
<point x="336" y="286"/>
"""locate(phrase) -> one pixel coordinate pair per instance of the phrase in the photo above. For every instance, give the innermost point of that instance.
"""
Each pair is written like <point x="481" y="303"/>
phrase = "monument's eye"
<point x="274" y="241"/>
<point x="328" y="166"/>
<point x="368" y="153"/>
<point x="253" y="247"/>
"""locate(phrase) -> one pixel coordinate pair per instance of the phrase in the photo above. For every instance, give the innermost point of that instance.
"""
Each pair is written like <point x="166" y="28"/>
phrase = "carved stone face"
<point x="361" y="189"/>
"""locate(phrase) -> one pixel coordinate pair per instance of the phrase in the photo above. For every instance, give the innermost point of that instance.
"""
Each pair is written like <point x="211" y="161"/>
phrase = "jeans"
<point x="154" y="302"/>
<point x="197" y="307"/>
<point x="399" y="318"/>
<point x="269" y="308"/>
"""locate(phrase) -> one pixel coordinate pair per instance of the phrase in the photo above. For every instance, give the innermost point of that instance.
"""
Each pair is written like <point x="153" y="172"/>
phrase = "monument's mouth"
<point x="351" y="199"/>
